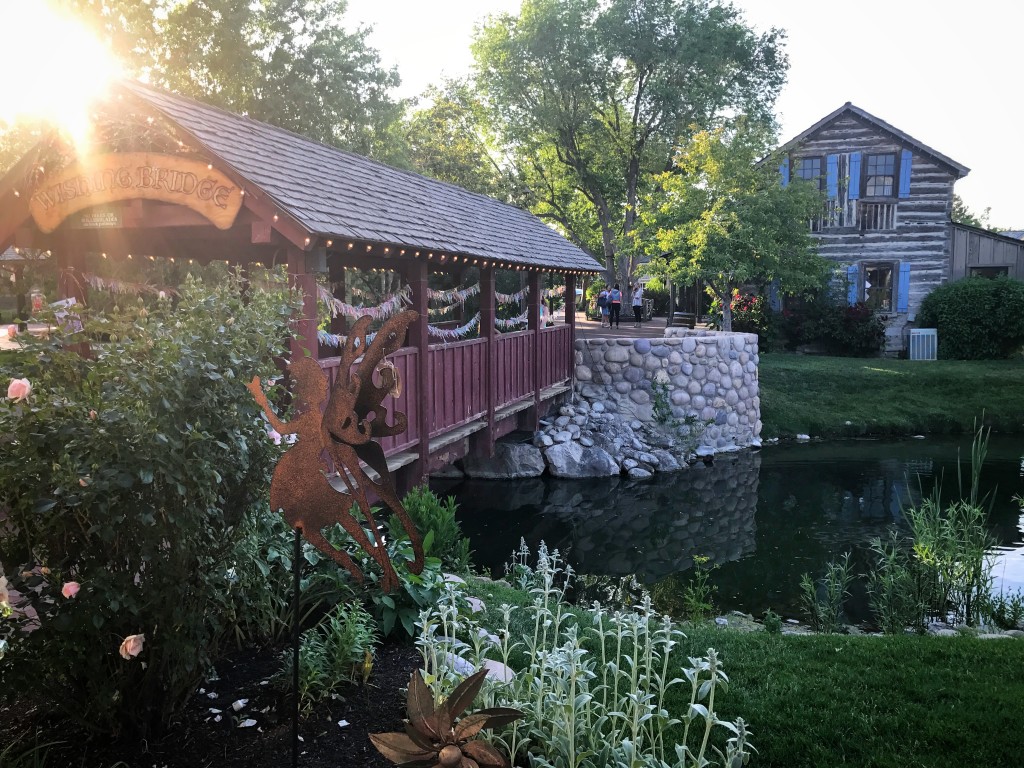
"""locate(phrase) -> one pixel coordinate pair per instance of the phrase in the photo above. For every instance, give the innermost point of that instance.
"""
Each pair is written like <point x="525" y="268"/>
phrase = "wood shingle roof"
<point x="339" y="194"/>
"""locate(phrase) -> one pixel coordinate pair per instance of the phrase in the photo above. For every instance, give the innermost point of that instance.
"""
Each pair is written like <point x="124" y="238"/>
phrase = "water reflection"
<point x="763" y="518"/>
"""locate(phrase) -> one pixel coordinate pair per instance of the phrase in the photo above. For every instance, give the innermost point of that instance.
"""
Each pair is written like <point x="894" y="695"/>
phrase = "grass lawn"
<point x="819" y="395"/>
<point x="828" y="700"/>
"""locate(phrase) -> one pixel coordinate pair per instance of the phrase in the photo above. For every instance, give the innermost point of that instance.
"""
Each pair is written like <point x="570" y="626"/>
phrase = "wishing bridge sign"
<point x="112" y="178"/>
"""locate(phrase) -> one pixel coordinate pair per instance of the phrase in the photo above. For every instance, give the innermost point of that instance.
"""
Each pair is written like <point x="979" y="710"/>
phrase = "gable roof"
<point x="884" y="127"/>
<point x="334" y="193"/>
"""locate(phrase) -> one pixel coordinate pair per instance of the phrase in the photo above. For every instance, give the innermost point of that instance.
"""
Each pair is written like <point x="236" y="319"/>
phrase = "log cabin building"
<point x="169" y="177"/>
<point x="886" y="223"/>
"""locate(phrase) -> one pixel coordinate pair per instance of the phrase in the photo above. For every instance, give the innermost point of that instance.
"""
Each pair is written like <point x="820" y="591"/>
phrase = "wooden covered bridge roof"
<point x="333" y="193"/>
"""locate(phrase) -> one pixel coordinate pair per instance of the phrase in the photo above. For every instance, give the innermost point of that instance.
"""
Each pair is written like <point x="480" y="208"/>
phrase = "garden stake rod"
<point x="297" y="584"/>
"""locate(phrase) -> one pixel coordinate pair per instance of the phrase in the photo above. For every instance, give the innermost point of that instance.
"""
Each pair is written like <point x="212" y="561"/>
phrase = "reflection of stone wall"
<point x="654" y="530"/>
<point x="707" y="374"/>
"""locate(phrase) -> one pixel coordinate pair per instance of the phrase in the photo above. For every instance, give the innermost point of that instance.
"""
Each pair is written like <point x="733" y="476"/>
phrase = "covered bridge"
<point x="170" y="177"/>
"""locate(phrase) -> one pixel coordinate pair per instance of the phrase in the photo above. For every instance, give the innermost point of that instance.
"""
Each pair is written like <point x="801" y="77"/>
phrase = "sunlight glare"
<point x="57" y="82"/>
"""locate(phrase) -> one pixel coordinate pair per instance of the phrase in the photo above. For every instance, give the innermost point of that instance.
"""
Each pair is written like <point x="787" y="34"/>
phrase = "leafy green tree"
<point x="448" y="140"/>
<point x="589" y="99"/>
<point x="291" y="63"/>
<point x="961" y="214"/>
<point x="722" y="217"/>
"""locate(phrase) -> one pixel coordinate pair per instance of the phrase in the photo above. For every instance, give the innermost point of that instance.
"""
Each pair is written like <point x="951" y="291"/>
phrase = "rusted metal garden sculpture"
<point x="343" y="421"/>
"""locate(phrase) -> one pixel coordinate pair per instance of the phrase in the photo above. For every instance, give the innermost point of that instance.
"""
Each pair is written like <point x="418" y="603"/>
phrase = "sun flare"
<point x="58" y="81"/>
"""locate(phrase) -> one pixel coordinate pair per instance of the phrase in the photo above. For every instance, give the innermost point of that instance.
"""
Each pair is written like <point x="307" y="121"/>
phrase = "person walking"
<point x="614" y="305"/>
<point x="602" y="304"/>
<point x="638" y="305"/>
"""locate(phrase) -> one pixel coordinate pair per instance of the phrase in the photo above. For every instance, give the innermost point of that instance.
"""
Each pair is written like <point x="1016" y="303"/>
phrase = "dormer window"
<point x="879" y="176"/>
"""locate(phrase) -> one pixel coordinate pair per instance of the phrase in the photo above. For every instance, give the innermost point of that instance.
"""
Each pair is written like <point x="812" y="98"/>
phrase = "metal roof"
<point x="848" y="108"/>
<point x="339" y="194"/>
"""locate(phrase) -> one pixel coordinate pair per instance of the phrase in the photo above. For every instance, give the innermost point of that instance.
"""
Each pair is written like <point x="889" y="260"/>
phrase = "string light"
<point x="369" y="248"/>
<point x="307" y="241"/>
<point x="17" y="193"/>
<point x="402" y="252"/>
<point x="386" y="250"/>
<point x="350" y="246"/>
<point x="330" y="243"/>
<point x="275" y="217"/>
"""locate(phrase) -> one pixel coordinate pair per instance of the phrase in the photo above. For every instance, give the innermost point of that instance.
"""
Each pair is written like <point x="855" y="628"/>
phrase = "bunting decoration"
<point x="123" y="287"/>
<point x="335" y="340"/>
<point x="511" y="322"/>
<point x="392" y="305"/>
<point x="454" y="295"/>
<point x="451" y="334"/>
<point x="511" y="298"/>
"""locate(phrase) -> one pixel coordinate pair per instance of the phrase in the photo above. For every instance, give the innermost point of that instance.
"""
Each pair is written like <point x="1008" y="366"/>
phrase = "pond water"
<point x="764" y="518"/>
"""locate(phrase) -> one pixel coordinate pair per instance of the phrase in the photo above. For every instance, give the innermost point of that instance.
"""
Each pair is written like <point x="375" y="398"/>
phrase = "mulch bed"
<point x="199" y="741"/>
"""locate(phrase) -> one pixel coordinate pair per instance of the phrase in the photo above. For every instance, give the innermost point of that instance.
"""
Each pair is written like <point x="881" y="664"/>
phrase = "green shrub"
<point x="772" y="622"/>
<point x="436" y="523"/>
<point x="130" y="473"/>
<point x="899" y="592"/>
<point x="699" y="592"/>
<point x="977" y="318"/>
<point x="838" y="329"/>
<point x="823" y="601"/>
<point x="337" y="651"/>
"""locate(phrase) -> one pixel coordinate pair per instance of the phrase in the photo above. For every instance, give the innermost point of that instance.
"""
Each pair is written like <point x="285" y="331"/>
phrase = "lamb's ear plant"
<point x="593" y="692"/>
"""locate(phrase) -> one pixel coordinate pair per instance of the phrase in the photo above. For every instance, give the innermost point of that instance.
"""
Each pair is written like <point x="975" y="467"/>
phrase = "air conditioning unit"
<point x="924" y="344"/>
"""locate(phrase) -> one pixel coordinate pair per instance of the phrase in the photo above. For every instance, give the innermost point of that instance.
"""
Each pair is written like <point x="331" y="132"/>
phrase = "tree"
<point x="724" y="218"/>
<point x="961" y="214"/>
<point x="448" y="140"/>
<point x="290" y="63"/>
<point x="589" y="98"/>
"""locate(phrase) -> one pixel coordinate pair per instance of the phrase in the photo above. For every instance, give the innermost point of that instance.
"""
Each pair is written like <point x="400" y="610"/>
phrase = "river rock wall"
<point x="711" y="376"/>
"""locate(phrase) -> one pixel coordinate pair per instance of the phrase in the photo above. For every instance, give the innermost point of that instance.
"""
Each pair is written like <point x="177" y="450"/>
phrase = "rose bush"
<point x="124" y="480"/>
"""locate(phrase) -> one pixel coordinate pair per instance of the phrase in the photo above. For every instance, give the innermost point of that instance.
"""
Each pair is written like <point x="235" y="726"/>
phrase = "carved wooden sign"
<point x="104" y="179"/>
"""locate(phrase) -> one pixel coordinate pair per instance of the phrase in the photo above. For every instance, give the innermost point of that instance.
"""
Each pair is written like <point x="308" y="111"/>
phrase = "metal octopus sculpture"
<point x="343" y="421"/>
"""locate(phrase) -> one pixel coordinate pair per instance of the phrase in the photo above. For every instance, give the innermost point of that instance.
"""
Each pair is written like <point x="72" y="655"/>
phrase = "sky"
<point x="946" y="73"/>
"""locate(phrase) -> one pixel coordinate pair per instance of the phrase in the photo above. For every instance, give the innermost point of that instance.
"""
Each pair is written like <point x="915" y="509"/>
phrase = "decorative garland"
<point x="336" y="341"/>
<point x="454" y="295"/>
<point x="512" y="321"/>
<point x="450" y="334"/>
<point x="392" y="305"/>
<point x="123" y="287"/>
<point x="511" y="298"/>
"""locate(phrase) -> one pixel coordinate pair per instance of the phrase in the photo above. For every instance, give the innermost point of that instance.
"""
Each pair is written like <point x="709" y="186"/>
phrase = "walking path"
<point x="591" y="329"/>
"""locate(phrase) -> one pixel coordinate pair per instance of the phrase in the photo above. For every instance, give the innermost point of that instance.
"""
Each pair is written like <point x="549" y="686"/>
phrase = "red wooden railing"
<point x="459" y="393"/>
<point x="514" y="367"/>
<point x="458" y="374"/>
<point x="556" y="354"/>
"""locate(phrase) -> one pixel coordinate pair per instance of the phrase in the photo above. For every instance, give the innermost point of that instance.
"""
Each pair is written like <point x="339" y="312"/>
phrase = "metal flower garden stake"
<point x="343" y="421"/>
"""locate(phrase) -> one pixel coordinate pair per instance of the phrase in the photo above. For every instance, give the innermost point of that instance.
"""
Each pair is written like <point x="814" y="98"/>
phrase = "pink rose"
<point x="19" y="389"/>
<point x="131" y="646"/>
<point x="70" y="589"/>
<point x="12" y="331"/>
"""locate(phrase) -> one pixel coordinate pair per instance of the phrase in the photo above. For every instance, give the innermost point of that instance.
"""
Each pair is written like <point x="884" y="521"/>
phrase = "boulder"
<point x="573" y="460"/>
<point x="510" y="460"/>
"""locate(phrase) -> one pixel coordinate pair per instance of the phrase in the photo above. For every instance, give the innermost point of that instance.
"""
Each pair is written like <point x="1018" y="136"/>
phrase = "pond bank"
<point x="850" y="397"/>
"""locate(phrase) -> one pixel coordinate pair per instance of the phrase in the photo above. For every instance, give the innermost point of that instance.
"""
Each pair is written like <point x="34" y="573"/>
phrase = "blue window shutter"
<point x="903" y="288"/>
<point x="906" y="161"/>
<point x="852" y="284"/>
<point x="832" y="177"/>
<point x="853" y="193"/>
<point x="774" y="297"/>
<point x="784" y="172"/>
